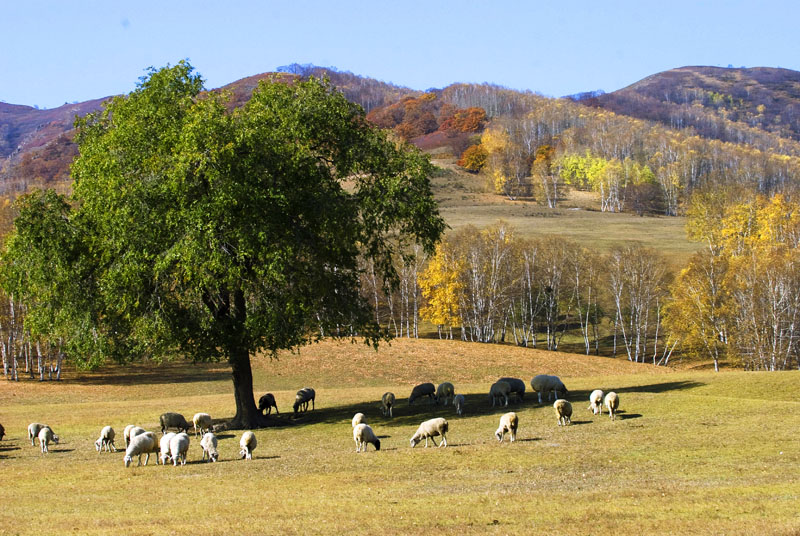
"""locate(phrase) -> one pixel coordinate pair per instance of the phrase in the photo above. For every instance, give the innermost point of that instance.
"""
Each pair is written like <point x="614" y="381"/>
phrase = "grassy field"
<point x="463" y="199"/>
<point x="692" y="452"/>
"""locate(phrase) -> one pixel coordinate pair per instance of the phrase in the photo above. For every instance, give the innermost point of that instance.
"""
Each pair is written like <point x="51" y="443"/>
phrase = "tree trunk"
<point x="247" y="414"/>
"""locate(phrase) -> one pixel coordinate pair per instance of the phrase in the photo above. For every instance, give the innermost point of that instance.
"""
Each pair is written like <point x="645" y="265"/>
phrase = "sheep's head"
<point x="98" y="444"/>
<point x="498" y="434"/>
<point x="55" y="439"/>
<point x="414" y="441"/>
<point x="128" y="461"/>
<point x="377" y="444"/>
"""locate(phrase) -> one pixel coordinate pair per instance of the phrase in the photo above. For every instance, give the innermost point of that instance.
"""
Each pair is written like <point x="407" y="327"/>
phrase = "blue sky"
<point x="61" y="51"/>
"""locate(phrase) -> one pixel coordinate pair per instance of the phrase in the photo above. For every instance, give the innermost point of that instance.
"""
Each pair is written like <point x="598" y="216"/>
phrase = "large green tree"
<point x="202" y="232"/>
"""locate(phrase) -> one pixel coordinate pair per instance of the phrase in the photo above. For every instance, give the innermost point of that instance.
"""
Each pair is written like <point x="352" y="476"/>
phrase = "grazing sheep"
<point x="459" y="402"/>
<point x="499" y="390"/>
<point x="552" y="385"/>
<point x="248" y="443"/>
<point x="359" y="418"/>
<point x="387" y="403"/>
<point x="141" y="444"/>
<point x="363" y="434"/>
<point x="173" y="420"/>
<point x="126" y="433"/>
<point x="517" y="386"/>
<point x="563" y="411"/>
<point x="202" y="422"/>
<point x="46" y="436"/>
<point x="423" y="389"/>
<point x="612" y="403"/>
<point x="430" y="429"/>
<point x="596" y="402"/>
<point x="33" y="431"/>
<point x="178" y="448"/>
<point x="508" y="423"/>
<point x="164" y="447"/>
<point x="266" y="403"/>
<point x="106" y="440"/>
<point x="209" y="445"/>
<point x="303" y="397"/>
<point x="445" y="392"/>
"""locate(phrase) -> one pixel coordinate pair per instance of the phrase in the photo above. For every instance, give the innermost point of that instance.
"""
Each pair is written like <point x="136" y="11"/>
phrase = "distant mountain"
<point x="36" y="146"/>
<point x="729" y="104"/>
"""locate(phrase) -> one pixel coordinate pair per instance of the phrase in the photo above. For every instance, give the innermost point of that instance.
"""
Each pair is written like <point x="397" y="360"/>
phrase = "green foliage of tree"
<point x="217" y="235"/>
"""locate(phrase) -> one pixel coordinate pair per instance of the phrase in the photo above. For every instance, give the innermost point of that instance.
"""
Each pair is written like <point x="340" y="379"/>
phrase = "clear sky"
<point x="58" y="51"/>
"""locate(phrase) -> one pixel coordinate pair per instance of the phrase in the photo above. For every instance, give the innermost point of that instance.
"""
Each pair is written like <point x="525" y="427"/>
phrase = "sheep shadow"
<point x="9" y="448"/>
<point x="583" y="394"/>
<point x="626" y="416"/>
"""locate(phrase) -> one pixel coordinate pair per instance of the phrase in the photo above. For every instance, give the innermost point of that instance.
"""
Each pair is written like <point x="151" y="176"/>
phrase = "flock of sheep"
<point x="174" y="446"/>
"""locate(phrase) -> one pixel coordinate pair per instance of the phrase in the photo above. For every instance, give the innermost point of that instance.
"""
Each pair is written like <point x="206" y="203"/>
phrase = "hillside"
<point x="757" y="106"/>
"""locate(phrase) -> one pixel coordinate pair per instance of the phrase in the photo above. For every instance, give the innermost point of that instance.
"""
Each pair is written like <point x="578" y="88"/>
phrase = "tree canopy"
<point x="217" y="234"/>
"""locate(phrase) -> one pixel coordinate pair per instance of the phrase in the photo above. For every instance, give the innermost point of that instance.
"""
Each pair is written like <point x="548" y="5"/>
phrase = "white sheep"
<point x="387" y="403"/>
<point x="209" y="445"/>
<point x="445" y="391"/>
<point x="132" y="431"/>
<point x="596" y="401"/>
<point x="552" y="385"/>
<point x="499" y="390"/>
<point x="563" y="411"/>
<point x="303" y="397"/>
<point x="363" y="434"/>
<point x="359" y="418"/>
<point x="612" y="403"/>
<point x="46" y="436"/>
<point x="517" y="386"/>
<point x="106" y="440"/>
<point x="178" y="448"/>
<point x="126" y="433"/>
<point x="248" y="444"/>
<point x="430" y="429"/>
<point x="508" y="423"/>
<point x="202" y="422"/>
<point x="164" y="447"/>
<point x="141" y="444"/>
<point x="459" y="402"/>
<point x="423" y="389"/>
<point x="33" y="431"/>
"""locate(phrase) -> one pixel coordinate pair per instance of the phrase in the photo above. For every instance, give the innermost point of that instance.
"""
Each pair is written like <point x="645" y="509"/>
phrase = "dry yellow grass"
<point x="692" y="452"/>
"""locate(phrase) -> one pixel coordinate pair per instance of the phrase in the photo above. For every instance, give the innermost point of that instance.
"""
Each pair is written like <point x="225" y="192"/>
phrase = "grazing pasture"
<point x="690" y="452"/>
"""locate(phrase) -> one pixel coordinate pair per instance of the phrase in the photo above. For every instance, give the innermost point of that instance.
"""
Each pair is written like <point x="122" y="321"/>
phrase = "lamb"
<point x="173" y="420"/>
<point x="458" y="402"/>
<point x="508" y="423"/>
<point x="445" y="392"/>
<point x="430" y="429"/>
<point x="248" y="443"/>
<point x="46" y="436"/>
<point x="612" y="403"/>
<point x="359" y="418"/>
<point x="363" y="434"/>
<point x="202" y="422"/>
<point x="423" y="389"/>
<point x="563" y="411"/>
<point x="517" y="386"/>
<point x="164" y="447"/>
<point x="178" y="448"/>
<point x="303" y="397"/>
<point x="596" y="402"/>
<point x="387" y="403"/>
<point x="499" y="390"/>
<point x="141" y="444"/>
<point x="209" y="445"/>
<point x="266" y="403"/>
<point x="548" y="384"/>
<point x="106" y="440"/>
<point x="33" y="431"/>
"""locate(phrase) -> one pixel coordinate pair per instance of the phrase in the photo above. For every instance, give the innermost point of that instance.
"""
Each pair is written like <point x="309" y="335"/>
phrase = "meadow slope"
<point x="692" y="452"/>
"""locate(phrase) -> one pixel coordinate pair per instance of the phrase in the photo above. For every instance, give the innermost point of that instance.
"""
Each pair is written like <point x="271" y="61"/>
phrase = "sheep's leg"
<point x="433" y="440"/>
<point x="443" y="443"/>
